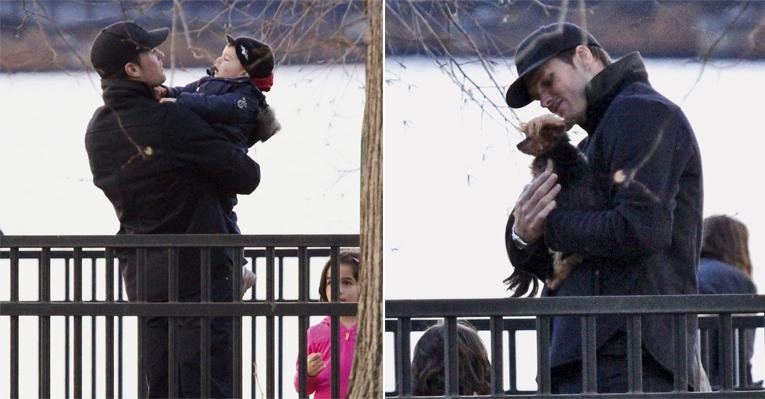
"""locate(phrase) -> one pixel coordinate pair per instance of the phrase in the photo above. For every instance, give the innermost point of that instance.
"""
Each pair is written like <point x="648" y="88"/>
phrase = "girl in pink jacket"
<point x="319" y="336"/>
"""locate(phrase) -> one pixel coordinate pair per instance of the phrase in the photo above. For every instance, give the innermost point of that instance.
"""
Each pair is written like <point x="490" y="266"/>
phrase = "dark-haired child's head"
<point x="349" y="277"/>
<point x="244" y="56"/>
<point x="726" y="239"/>
<point x="256" y="57"/>
<point x="428" y="362"/>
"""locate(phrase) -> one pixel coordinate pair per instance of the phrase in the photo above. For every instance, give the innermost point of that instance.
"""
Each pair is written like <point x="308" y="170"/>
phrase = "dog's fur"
<point x="579" y="191"/>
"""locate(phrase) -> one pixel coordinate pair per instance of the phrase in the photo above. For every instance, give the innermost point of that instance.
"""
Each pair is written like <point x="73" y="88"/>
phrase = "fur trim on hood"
<point x="266" y="125"/>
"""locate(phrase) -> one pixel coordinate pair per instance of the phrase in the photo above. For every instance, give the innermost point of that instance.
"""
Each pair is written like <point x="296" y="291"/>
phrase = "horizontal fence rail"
<point x="730" y="315"/>
<point x="62" y="266"/>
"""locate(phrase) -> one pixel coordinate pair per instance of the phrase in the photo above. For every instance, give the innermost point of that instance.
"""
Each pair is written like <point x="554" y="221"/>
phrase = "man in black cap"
<point x="164" y="169"/>
<point x="642" y="148"/>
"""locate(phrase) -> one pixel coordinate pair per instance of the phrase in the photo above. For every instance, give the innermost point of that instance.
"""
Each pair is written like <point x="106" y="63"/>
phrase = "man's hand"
<point x="536" y="202"/>
<point x="159" y="92"/>
<point x="315" y="364"/>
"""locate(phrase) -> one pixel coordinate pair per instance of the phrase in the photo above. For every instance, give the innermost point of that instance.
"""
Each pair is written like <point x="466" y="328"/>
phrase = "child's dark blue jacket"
<point x="230" y="105"/>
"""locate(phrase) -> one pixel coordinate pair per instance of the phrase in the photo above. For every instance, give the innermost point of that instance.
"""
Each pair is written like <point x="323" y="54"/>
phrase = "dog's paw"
<point x="553" y="283"/>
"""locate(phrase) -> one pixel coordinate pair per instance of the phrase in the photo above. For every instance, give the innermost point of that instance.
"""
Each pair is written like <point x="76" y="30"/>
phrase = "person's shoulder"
<point x="98" y="116"/>
<point x="642" y="98"/>
<point x="320" y="330"/>
<point x="720" y="277"/>
<point x="643" y="111"/>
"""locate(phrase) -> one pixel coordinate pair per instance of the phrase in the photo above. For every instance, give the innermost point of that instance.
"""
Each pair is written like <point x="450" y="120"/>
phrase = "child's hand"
<point x="159" y="92"/>
<point x="167" y="100"/>
<point x="315" y="364"/>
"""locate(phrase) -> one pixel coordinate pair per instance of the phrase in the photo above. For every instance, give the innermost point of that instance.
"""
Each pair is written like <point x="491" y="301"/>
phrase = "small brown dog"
<point x="546" y="140"/>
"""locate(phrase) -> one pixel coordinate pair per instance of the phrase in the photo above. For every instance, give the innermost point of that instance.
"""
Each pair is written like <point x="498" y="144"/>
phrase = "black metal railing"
<point x="275" y="256"/>
<point x="722" y="313"/>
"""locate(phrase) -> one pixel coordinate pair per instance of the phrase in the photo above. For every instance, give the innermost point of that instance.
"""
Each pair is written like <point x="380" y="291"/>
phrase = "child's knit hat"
<point x="256" y="57"/>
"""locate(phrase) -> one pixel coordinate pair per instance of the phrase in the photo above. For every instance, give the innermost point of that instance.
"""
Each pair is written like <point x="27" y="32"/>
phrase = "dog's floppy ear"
<point x="552" y="132"/>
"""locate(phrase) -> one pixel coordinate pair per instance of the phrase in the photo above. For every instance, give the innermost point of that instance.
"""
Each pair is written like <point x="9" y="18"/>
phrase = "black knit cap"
<point x="121" y="42"/>
<point x="544" y="43"/>
<point x="256" y="57"/>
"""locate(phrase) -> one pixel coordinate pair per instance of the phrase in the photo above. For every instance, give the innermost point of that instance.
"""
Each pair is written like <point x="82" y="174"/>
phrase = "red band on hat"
<point x="264" y="84"/>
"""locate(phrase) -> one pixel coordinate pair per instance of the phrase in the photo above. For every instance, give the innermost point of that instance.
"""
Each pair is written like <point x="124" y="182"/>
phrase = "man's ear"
<point x="132" y="70"/>
<point x="583" y="55"/>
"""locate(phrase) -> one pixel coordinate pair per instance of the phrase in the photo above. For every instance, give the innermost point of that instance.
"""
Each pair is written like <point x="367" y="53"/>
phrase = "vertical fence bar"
<point x="93" y="330"/>
<point x="403" y="336"/>
<point x="270" y="361"/>
<point x="109" y="324"/>
<point x="173" y="380"/>
<point x="236" y="273"/>
<point x="742" y="359"/>
<point x="543" y="354"/>
<point x="681" y="352"/>
<point x="725" y="349"/>
<point x="254" y="377"/>
<point x="451" y="360"/>
<point x="119" y="341"/>
<point x="44" y="325"/>
<point x="67" y="336"/>
<point x="14" y="388"/>
<point x="141" y="388"/>
<point x="280" y="356"/>
<point x="512" y="368"/>
<point x="236" y="322"/>
<point x="204" y="324"/>
<point x="634" y="354"/>
<point x="706" y="349"/>
<point x="335" y="325"/>
<point x="237" y="326"/>
<point x="77" y="298"/>
<point x="589" y="366"/>
<point x="496" y="326"/>
<point x="303" y="282"/>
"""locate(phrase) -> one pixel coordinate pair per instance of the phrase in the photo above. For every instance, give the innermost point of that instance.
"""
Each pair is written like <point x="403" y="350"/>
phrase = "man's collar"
<point x="125" y="88"/>
<point x="602" y="89"/>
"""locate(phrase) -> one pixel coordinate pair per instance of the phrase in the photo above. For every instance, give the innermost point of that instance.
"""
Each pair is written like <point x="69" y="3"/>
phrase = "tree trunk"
<point x="366" y="381"/>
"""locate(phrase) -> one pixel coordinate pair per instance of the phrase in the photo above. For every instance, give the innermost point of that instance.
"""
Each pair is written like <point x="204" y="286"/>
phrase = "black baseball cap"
<point x="544" y="43"/>
<point x="256" y="57"/>
<point x="121" y="42"/>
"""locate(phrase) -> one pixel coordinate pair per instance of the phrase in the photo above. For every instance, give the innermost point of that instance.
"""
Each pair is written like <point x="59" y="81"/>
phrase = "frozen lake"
<point x="310" y="170"/>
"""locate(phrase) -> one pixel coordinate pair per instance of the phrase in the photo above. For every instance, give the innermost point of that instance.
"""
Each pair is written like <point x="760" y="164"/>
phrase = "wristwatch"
<point x="517" y="240"/>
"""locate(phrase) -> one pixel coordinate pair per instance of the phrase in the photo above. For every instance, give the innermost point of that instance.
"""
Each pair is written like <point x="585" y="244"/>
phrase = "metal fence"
<point x="283" y="260"/>
<point x="730" y="315"/>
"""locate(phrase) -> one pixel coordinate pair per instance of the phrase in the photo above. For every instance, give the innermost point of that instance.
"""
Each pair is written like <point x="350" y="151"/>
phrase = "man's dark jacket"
<point x="647" y="242"/>
<point x="164" y="170"/>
